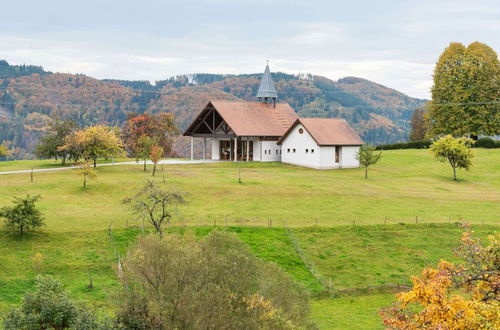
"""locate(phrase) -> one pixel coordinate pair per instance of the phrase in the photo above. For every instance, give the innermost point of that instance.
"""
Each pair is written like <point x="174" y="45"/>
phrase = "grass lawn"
<point x="407" y="183"/>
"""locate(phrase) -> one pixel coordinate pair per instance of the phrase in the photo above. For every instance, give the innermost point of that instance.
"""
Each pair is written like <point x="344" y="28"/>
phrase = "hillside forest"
<point x="30" y="98"/>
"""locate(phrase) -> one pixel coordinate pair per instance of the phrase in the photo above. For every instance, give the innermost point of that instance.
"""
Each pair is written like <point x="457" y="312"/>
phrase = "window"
<point x="265" y="152"/>
<point x="277" y="151"/>
<point x="294" y="150"/>
<point x="307" y="151"/>
<point x="288" y="150"/>
<point x="312" y="151"/>
<point x="337" y="154"/>
<point x="301" y="131"/>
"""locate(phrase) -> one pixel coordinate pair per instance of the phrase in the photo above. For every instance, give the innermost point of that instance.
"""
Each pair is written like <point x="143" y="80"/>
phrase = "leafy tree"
<point x="49" y="307"/>
<point x="466" y="91"/>
<point x="23" y="215"/>
<point x="156" y="205"/>
<point x="3" y="150"/>
<point x="180" y="282"/>
<point x="160" y="127"/>
<point x="87" y="172"/>
<point x="156" y="154"/>
<point x="461" y="296"/>
<point x="456" y="151"/>
<point x="144" y="147"/>
<point x="368" y="156"/>
<point x="50" y="144"/>
<point x="418" y="124"/>
<point x="93" y="142"/>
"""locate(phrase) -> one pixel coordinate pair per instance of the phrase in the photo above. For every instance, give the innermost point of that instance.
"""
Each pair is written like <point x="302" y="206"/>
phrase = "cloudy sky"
<point x="395" y="43"/>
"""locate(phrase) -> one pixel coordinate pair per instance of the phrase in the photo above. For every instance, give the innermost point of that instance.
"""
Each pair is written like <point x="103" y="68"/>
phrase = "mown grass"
<point x="407" y="183"/>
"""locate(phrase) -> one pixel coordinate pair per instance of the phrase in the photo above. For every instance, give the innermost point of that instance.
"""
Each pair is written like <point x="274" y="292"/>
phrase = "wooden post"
<point x="316" y="223"/>
<point x="215" y="223"/>
<point x="235" y="149"/>
<point x="109" y="229"/>
<point x="385" y="220"/>
<point x="192" y="147"/>
<point x="32" y="175"/>
<point x="416" y="219"/>
<point x="204" y="148"/>
<point x="248" y="150"/>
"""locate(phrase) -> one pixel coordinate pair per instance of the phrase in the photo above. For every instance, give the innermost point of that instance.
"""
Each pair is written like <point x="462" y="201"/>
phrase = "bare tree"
<point x="156" y="205"/>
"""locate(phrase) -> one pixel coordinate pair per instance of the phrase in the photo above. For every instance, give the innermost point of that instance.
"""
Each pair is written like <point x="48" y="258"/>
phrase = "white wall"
<point x="215" y="149"/>
<point x="349" y="156"/>
<point x="300" y="142"/>
<point x="268" y="151"/>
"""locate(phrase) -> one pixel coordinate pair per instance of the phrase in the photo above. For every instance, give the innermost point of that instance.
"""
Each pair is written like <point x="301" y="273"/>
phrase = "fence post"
<point x="316" y="223"/>
<point x="416" y="219"/>
<point x="385" y="220"/>
<point x="215" y="223"/>
<point x="449" y="219"/>
<point x="31" y="174"/>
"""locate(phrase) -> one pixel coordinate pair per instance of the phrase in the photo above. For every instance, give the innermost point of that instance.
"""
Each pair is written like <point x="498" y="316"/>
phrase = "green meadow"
<point x="362" y="236"/>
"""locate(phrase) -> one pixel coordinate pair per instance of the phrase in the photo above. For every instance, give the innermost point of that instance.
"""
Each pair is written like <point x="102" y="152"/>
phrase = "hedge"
<point x="422" y="144"/>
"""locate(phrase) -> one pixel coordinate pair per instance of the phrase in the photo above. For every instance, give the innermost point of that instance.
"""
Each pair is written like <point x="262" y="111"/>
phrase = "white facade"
<point x="301" y="149"/>
<point x="263" y="151"/>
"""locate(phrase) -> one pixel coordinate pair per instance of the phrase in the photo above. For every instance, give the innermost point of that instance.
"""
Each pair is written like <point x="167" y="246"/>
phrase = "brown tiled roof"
<point x="327" y="131"/>
<point x="253" y="118"/>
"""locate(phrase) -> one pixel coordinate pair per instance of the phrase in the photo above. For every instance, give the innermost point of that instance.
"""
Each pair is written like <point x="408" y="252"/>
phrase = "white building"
<point x="321" y="143"/>
<point x="270" y="131"/>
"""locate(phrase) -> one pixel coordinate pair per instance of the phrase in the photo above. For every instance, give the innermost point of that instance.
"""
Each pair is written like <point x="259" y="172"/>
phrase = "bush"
<point x="486" y="142"/>
<point x="422" y="144"/>
<point x="179" y="282"/>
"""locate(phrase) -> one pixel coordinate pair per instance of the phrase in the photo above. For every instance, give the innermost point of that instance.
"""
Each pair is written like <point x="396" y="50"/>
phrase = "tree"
<point x="158" y="126"/>
<point x="86" y="171"/>
<point x="466" y="91"/>
<point x="156" y="205"/>
<point x="461" y="296"/>
<point x="93" y="142"/>
<point x="23" y="215"/>
<point x="143" y="149"/>
<point x="50" y="144"/>
<point x="418" y="123"/>
<point x="49" y="307"/>
<point x="181" y="282"/>
<point x="456" y="151"/>
<point x="156" y="154"/>
<point x="3" y="150"/>
<point x="367" y="157"/>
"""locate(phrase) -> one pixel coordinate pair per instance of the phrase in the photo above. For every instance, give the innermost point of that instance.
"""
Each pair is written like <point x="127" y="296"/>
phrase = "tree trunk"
<point x="144" y="165"/>
<point x="366" y="173"/>
<point x="21" y="230"/>
<point x="95" y="162"/>
<point x="84" y="181"/>
<point x="454" y="174"/>
<point x="63" y="162"/>
<point x="154" y="169"/>
<point x="160" y="231"/>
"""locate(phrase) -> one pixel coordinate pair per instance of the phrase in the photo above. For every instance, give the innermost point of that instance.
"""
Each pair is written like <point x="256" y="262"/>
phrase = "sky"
<point x="394" y="43"/>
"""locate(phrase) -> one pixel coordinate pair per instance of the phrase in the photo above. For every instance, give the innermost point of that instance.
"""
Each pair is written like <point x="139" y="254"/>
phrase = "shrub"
<point x="486" y="142"/>
<point x="421" y="144"/>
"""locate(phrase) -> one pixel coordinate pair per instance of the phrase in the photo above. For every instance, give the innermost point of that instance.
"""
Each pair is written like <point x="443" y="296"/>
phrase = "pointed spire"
<point x="266" y="89"/>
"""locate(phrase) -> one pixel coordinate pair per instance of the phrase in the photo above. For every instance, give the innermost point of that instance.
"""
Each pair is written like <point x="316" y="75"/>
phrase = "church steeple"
<point x="266" y="89"/>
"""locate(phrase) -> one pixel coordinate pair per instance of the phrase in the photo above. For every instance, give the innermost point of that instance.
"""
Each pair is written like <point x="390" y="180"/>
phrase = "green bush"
<point x="421" y="144"/>
<point x="486" y="142"/>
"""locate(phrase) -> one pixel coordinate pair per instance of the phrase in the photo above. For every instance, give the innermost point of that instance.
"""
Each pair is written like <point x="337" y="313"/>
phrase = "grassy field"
<point x="406" y="184"/>
<point x="351" y="246"/>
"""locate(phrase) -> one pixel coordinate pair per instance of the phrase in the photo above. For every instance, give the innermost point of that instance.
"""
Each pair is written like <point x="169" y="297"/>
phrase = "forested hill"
<point x="30" y="97"/>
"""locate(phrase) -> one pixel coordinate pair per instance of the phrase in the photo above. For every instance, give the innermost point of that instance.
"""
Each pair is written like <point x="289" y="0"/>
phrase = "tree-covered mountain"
<point x="30" y="97"/>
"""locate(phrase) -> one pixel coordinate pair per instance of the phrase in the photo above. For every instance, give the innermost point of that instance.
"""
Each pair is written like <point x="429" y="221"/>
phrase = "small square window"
<point x="307" y="151"/>
<point x="293" y="150"/>
<point x="288" y="150"/>
<point x="265" y="152"/>
<point x="277" y="151"/>
<point x="312" y="151"/>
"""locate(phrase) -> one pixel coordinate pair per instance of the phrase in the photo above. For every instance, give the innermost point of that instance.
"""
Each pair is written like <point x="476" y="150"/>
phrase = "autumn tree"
<point x="466" y="91"/>
<point x="418" y="124"/>
<point x="158" y="126"/>
<point x="23" y="215"/>
<point x="50" y="144"/>
<point x="93" y="142"/>
<point x="456" y="151"/>
<point x="367" y="156"/>
<point x="3" y="150"/>
<point x="453" y="296"/>
<point x="155" y="155"/>
<point x="87" y="172"/>
<point x="144" y="147"/>
<point x="181" y="282"/>
<point x="158" y="206"/>
<point x="49" y="307"/>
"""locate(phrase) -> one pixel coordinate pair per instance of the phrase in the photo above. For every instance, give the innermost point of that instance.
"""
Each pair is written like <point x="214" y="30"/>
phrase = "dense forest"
<point x="31" y="97"/>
